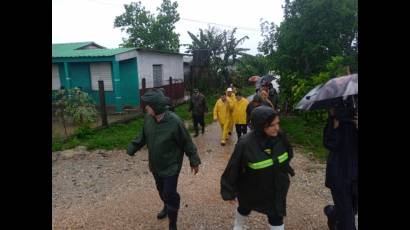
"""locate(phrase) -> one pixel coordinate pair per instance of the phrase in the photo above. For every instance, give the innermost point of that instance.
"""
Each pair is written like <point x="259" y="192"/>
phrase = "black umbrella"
<point x="263" y="80"/>
<point x="331" y="94"/>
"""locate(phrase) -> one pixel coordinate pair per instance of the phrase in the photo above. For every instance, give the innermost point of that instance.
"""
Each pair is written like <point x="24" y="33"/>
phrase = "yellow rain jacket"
<point x="239" y="115"/>
<point x="232" y="102"/>
<point x="221" y="111"/>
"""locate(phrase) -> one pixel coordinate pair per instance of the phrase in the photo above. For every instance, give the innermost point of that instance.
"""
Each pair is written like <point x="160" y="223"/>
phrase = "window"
<point x="157" y="74"/>
<point x="56" y="78"/>
<point x="101" y="71"/>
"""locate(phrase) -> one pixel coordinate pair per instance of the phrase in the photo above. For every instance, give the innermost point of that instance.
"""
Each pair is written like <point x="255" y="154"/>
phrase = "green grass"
<point x="112" y="137"/>
<point x="308" y="135"/>
<point x="118" y="136"/>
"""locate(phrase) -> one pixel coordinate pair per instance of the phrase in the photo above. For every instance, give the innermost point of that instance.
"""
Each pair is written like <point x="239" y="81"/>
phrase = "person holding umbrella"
<point x="339" y="96"/>
<point x="257" y="174"/>
<point x="340" y="138"/>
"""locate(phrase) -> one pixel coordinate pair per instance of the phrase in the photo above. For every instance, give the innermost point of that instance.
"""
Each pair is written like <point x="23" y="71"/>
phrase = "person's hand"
<point x="356" y="121"/>
<point x="335" y="123"/>
<point x="195" y="169"/>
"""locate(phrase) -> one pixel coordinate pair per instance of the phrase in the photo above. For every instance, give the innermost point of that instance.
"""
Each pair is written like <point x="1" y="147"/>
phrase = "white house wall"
<point x="126" y="55"/>
<point x="172" y="66"/>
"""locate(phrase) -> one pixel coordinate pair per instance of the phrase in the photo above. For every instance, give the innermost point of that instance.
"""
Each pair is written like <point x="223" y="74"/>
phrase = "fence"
<point x="173" y="88"/>
<point x="63" y="128"/>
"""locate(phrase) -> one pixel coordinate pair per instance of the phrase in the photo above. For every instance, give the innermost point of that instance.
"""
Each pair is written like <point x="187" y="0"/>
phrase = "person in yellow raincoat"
<point x="230" y="96"/>
<point x="239" y="115"/>
<point x="222" y="112"/>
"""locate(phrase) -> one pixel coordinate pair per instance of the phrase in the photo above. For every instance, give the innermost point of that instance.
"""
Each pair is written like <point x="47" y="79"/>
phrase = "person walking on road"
<point x="340" y="138"/>
<point x="222" y="114"/>
<point x="230" y="96"/>
<point x="256" y="101"/>
<point x="239" y="115"/>
<point x="257" y="174"/>
<point x="167" y="140"/>
<point x="198" y="107"/>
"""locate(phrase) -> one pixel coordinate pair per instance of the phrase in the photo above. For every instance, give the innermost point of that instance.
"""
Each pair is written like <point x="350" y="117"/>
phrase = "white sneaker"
<point x="281" y="227"/>
<point x="239" y="221"/>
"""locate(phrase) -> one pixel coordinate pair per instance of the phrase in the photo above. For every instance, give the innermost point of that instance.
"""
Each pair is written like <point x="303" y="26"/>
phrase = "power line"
<point x="219" y="24"/>
<point x="184" y="19"/>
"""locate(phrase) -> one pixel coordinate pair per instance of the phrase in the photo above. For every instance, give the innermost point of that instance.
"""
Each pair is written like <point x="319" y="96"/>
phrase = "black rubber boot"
<point x="203" y="129"/>
<point x="163" y="213"/>
<point x="172" y="216"/>
<point x="331" y="220"/>
<point x="196" y="132"/>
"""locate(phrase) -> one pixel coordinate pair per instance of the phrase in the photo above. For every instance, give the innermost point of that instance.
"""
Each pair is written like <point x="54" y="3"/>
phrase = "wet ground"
<point x="111" y="190"/>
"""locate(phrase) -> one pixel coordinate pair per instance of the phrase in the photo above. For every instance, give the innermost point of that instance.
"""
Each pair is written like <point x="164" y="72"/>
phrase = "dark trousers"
<point x="198" y="119"/>
<point x="241" y="129"/>
<point x="167" y="189"/>
<point x="274" y="220"/>
<point x="345" y="209"/>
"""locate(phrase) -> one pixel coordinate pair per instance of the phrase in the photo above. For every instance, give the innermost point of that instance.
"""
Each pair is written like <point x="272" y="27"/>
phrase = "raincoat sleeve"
<point x="190" y="105"/>
<point x="248" y="113"/>
<point x="216" y="111"/>
<point x="231" y="174"/>
<point x="136" y="144"/>
<point x="185" y="142"/>
<point x="331" y="137"/>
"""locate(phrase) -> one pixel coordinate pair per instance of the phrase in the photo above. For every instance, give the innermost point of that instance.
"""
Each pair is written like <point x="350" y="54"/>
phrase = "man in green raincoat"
<point x="167" y="140"/>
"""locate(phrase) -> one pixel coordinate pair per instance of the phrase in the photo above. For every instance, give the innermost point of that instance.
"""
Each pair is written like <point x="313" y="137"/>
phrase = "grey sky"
<point x="93" y="20"/>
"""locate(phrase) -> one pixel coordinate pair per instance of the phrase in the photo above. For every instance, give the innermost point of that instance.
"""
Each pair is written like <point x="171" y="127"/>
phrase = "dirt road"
<point x="111" y="190"/>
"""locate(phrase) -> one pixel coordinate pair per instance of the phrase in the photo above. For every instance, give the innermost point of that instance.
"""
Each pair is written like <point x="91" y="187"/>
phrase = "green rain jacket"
<point x="167" y="140"/>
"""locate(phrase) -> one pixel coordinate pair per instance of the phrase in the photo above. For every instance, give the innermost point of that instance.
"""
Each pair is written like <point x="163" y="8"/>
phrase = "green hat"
<point x="156" y="99"/>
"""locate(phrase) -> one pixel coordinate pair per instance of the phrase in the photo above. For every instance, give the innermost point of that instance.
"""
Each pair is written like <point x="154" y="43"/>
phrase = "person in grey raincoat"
<point x="167" y="140"/>
<point x="258" y="171"/>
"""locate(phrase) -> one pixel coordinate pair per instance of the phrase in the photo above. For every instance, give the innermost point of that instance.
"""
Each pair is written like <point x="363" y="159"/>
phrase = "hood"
<point x="156" y="99"/>
<point x="257" y="98"/>
<point x="260" y="116"/>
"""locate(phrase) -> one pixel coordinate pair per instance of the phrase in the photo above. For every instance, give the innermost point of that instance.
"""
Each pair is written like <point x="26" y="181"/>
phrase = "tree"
<point x="224" y="47"/>
<point x="76" y="106"/>
<point x="148" y="31"/>
<point x="249" y="65"/>
<point x="312" y="33"/>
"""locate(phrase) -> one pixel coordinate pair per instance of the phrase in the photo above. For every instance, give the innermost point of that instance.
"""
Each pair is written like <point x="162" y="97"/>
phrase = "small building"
<point x="156" y="67"/>
<point x="83" y="64"/>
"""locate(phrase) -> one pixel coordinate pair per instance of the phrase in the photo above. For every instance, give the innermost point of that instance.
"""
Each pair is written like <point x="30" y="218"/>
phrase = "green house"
<point x="83" y="64"/>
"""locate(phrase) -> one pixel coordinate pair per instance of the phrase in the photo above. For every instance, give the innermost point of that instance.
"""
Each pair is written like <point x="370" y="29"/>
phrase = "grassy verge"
<point x="307" y="135"/>
<point x="114" y="136"/>
<point x="118" y="136"/>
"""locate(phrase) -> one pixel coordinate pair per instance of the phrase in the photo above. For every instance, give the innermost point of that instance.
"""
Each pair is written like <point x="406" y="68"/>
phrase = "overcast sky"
<point x="93" y="20"/>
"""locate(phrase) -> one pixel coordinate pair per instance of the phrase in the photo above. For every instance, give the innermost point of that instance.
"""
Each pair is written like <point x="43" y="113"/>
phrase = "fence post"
<point x="144" y="85"/>
<point x="102" y="103"/>
<point x="171" y="91"/>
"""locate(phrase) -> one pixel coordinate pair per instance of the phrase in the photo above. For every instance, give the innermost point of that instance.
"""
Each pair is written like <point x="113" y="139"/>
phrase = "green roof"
<point x="71" y="50"/>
